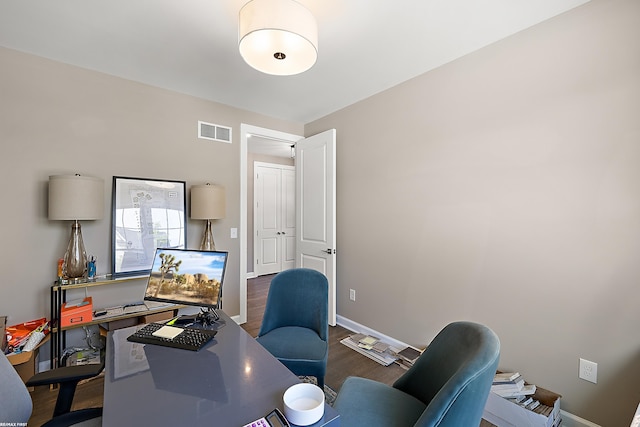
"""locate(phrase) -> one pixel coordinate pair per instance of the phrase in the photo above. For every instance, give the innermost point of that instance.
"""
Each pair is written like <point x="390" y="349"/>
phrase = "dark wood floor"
<point x="342" y="361"/>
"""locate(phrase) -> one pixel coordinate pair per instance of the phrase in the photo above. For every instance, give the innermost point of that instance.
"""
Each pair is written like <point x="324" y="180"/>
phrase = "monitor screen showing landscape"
<point x="188" y="277"/>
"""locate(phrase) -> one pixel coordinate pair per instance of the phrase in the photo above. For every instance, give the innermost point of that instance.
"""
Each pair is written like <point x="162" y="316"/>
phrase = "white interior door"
<point x="275" y="223"/>
<point x="267" y="219"/>
<point x="288" y="229"/>
<point x="316" y="208"/>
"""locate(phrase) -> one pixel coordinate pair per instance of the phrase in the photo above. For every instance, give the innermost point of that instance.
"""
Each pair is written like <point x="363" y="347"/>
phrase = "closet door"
<point x="288" y="236"/>
<point x="274" y="221"/>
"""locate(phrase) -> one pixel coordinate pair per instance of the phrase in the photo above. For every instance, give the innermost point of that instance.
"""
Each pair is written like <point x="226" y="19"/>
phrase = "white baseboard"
<point x="568" y="419"/>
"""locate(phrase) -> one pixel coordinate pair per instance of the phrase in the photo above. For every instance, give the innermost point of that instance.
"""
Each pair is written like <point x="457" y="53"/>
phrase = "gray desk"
<point x="229" y="383"/>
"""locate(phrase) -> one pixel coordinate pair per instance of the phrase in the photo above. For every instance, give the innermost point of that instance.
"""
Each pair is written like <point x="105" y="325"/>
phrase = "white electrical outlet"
<point x="352" y="294"/>
<point x="588" y="371"/>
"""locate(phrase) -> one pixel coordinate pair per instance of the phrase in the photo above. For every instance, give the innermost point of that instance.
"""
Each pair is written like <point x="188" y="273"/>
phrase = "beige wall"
<point x="504" y="188"/>
<point x="251" y="158"/>
<point x="59" y="119"/>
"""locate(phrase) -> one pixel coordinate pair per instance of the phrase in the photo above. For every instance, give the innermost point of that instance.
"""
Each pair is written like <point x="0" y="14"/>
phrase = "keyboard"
<point x="189" y="339"/>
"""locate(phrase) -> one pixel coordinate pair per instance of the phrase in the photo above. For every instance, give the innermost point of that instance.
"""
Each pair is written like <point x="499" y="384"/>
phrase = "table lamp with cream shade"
<point x="75" y="198"/>
<point x="208" y="202"/>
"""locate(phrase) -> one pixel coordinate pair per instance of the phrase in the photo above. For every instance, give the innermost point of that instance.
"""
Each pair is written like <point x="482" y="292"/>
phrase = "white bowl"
<point x="303" y="404"/>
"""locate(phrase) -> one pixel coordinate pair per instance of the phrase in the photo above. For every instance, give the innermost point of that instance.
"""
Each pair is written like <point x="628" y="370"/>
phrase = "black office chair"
<point x="295" y="326"/>
<point x="16" y="401"/>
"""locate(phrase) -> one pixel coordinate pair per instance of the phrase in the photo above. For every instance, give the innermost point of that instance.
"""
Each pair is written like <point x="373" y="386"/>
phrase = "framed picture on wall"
<point x="147" y="214"/>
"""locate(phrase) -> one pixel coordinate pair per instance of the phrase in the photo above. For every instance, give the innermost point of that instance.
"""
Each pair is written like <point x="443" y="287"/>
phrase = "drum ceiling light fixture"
<point x="278" y="37"/>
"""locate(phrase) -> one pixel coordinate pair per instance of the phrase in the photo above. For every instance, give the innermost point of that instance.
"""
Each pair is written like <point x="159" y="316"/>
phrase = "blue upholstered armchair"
<point x="447" y="386"/>
<point x="295" y="326"/>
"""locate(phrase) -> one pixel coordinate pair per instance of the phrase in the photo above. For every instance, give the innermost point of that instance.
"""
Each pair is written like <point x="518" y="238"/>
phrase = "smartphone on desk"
<point x="272" y="419"/>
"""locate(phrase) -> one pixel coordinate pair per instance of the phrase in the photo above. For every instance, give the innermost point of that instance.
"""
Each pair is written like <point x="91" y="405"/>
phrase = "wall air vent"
<point x="214" y="132"/>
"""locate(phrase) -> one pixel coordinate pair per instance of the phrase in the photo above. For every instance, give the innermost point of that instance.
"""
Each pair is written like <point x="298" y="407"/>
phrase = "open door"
<point x="316" y="208"/>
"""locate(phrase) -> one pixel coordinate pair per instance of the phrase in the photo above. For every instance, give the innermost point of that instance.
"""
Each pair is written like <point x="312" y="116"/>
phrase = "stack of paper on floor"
<point x="371" y="347"/>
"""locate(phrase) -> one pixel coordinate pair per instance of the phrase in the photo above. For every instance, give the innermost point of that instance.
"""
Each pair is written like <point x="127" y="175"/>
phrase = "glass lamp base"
<point x="207" y="243"/>
<point x="75" y="258"/>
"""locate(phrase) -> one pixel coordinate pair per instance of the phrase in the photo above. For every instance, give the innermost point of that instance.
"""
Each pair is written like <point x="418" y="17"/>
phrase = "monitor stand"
<point x="206" y="317"/>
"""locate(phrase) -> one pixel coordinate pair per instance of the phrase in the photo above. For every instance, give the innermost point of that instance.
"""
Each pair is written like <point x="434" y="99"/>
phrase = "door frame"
<point x="245" y="131"/>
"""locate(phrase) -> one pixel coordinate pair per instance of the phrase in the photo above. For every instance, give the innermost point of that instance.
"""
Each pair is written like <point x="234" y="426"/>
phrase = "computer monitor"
<point x="188" y="277"/>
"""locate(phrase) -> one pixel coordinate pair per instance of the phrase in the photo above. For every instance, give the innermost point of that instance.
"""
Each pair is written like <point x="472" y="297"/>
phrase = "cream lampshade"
<point x="278" y="37"/>
<point x="208" y="202"/>
<point x="75" y="198"/>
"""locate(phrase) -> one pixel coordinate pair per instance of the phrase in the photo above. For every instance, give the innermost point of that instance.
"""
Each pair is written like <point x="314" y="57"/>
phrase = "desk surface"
<point x="230" y="382"/>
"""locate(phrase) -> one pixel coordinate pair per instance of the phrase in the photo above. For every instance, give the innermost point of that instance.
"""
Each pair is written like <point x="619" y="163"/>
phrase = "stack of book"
<point x="512" y="387"/>
<point x="535" y="406"/>
<point x="407" y="357"/>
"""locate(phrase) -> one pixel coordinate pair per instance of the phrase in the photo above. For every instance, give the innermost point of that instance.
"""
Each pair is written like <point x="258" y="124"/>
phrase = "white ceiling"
<point x="190" y="46"/>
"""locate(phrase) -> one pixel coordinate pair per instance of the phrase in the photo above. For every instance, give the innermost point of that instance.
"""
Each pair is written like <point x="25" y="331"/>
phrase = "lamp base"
<point x="75" y="258"/>
<point x="207" y="243"/>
